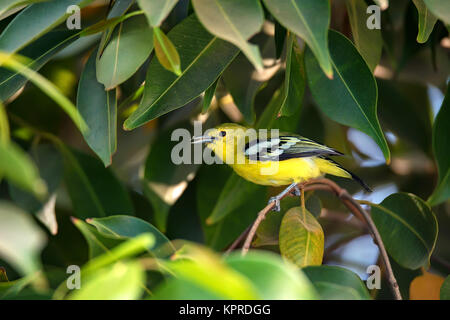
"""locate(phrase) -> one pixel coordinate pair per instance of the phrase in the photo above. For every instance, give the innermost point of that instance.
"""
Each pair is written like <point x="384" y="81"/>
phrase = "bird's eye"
<point x="222" y="133"/>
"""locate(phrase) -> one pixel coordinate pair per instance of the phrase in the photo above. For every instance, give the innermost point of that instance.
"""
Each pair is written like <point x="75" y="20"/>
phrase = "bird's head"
<point x="224" y="140"/>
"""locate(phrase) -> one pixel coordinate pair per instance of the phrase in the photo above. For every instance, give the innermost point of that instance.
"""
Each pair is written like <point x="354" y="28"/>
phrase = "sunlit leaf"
<point x="350" y="98"/>
<point x="301" y="238"/>
<point x="426" y="287"/>
<point x="309" y="19"/>
<point x="234" y="21"/>
<point x="21" y="239"/>
<point x="336" y="283"/>
<point x="156" y="10"/>
<point x="120" y="281"/>
<point x="408" y="228"/>
<point x="273" y="278"/>
<point x="427" y="20"/>
<point x="166" y="52"/>
<point x="441" y="149"/>
<point x="368" y="41"/>
<point x="204" y="59"/>
<point x="129" y="47"/>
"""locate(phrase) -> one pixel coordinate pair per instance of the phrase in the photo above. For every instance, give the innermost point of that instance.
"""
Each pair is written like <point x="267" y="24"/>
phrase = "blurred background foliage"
<point x="109" y="199"/>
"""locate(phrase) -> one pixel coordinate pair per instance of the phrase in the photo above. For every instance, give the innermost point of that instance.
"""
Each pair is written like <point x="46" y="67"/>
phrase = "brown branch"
<point x="352" y="205"/>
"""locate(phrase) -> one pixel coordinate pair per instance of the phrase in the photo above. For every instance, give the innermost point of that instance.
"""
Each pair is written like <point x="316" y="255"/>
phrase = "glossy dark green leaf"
<point x="408" y="228"/>
<point x="445" y="289"/>
<point x="17" y="167"/>
<point x="165" y="52"/>
<point x="209" y="95"/>
<point x="94" y="190"/>
<point x="273" y="278"/>
<point x="129" y="47"/>
<point x="99" y="109"/>
<point x="441" y="149"/>
<point x="441" y="9"/>
<point x="427" y="20"/>
<point x="350" y="98"/>
<point x="280" y="38"/>
<point x="368" y="41"/>
<point x="204" y="59"/>
<point x="129" y="227"/>
<point x="301" y="238"/>
<point x="156" y="10"/>
<point x="294" y="81"/>
<point x="233" y="21"/>
<point x="34" y="21"/>
<point x="336" y="283"/>
<point x="40" y="52"/>
<point x="309" y="19"/>
<point x="21" y="239"/>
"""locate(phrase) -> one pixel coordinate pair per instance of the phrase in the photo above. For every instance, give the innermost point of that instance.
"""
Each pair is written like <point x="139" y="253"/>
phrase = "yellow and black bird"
<point x="284" y="159"/>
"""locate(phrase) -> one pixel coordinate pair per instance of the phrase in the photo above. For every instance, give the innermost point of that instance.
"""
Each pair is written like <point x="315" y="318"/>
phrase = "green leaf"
<point x="129" y="227"/>
<point x="427" y="20"/>
<point x="17" y="64"/>
<point x="166" y="52"/>
<point x="280" y="38"/>
<point x="272" y="277"/>
<point x="21" y="239"/>
<point x="11" y="289"/>
<point x="445" y="289"/>
<point x="39" y="52"/>
<point x="309" y="19"/>
<point x="207" y="270"/>
<point x="301" y="238"/>
<point x="209" y="95"/>
<point x="7" y="5"/>
<point x="336" y="283"/>
<point x="120" y="281"/>
<point x="180" y="289"/>
<point x="34" y="21"/>
<point x="99" y="109"/>
<point x="156" y="10"/>
<point x="165" y="181"/>
<point x="350" y="98"/>
<point x="129" y="47"/>
<point x="4" y="125"/>
<point x="17" y="167"/>
<point x="441" y="149"/>
<point x="98" y="242"/>
<point x="235" y="192"/>
<point x="294" y="81"/>
<point x="440" y="9"/>
<point x="204" y="59"/>
<point x="233" y="21"/>
<point x="368" y="41"/>
<point x="50" y="167"/>
<point x="408" y="228"/>
<point x="94" y="190"/>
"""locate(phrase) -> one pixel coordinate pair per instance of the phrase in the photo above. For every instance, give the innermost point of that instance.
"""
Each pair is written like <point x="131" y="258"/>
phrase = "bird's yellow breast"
<point x="279" y="173"/>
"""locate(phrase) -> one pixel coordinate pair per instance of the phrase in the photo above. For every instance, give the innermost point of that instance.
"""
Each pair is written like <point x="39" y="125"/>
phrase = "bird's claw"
<point x="277" y="206"/>
<point x="296" y="192"/>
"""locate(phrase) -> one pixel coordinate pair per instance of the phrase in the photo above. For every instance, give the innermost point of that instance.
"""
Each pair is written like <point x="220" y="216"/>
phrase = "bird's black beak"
<point x="202" y="139"/>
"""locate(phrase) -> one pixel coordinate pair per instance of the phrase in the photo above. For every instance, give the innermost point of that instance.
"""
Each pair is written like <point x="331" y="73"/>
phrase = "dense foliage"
<point x="86" y="122"/>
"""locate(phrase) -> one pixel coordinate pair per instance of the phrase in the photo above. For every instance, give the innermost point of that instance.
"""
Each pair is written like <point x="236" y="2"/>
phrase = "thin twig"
<point x="238" y="240"/>
<point x="353" y="206"/>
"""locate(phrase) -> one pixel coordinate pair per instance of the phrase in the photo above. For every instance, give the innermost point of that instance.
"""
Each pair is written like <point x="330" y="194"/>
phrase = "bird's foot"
<point x="277" y="206"/>
<point x="296" y="191"/>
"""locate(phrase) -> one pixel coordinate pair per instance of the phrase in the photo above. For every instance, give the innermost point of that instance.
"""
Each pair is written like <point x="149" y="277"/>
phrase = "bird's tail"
<point x="326" y="165"/>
